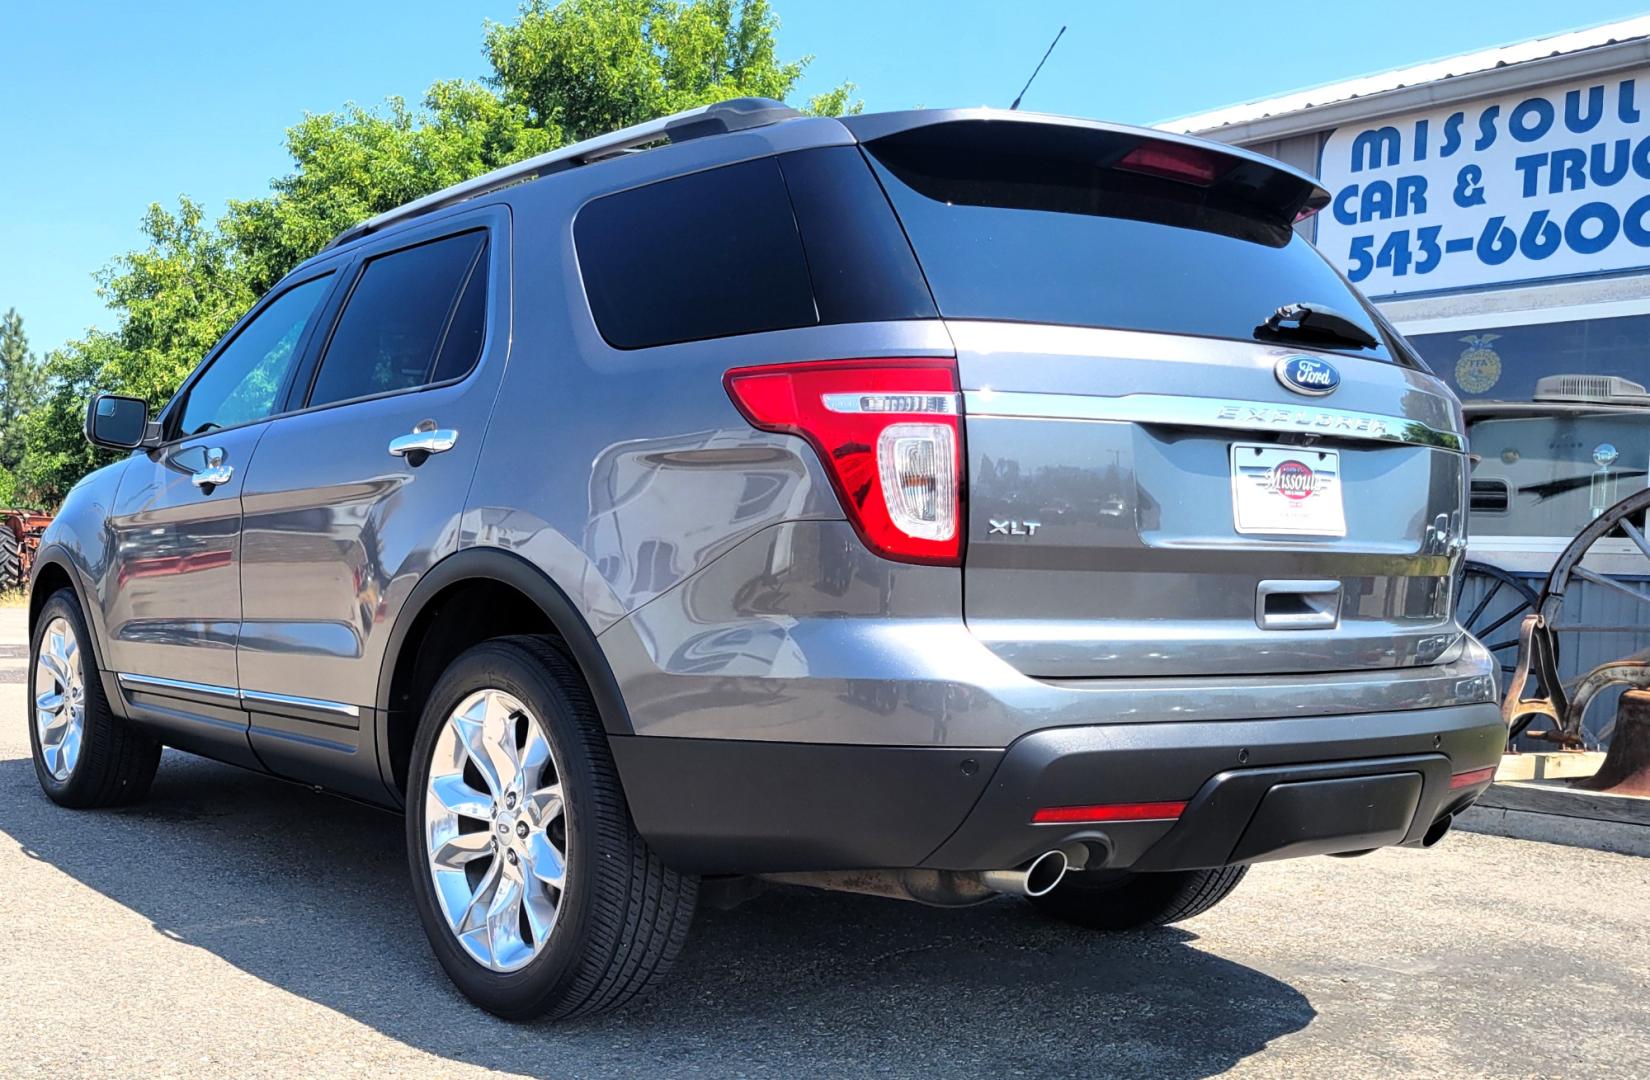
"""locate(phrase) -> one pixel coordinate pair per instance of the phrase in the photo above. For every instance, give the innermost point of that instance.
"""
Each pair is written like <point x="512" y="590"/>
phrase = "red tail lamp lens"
<point x="889" y="434"/>
<point x="1103" y="812"/>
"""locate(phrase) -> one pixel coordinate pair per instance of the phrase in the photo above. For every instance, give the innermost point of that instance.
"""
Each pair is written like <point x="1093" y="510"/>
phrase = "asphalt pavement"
<point x="237" y="926"/>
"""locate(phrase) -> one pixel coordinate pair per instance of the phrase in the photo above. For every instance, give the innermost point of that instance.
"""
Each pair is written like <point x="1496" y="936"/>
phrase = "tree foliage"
<point x="585" y="67"/>
<point x="20" y="380"/>
<point x="560" y="72"/>
<point x="357" y="162"/>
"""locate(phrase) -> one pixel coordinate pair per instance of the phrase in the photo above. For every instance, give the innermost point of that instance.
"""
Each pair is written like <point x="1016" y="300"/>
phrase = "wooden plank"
<point x="1565" y="801"/>
<point x="1551" y="765"/>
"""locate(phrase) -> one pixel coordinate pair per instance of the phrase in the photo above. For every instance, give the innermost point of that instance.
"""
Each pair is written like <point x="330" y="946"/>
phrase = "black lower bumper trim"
<point x="1328" y="817"/>
<point x="1222" y="769"/>
<point x="720" y="806"/>
<point x="1250" y="815"/>
<point x="1255" y="789"/>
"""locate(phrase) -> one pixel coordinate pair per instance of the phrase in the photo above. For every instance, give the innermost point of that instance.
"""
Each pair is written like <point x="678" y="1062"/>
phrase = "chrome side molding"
<point x="316" y="704"/>
<point x="155" y="682"/>
<point x="1173" y="410"/>
<point x="235" y="697"/>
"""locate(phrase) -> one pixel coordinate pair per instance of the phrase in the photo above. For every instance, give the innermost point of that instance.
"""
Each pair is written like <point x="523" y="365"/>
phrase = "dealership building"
<point x="1496" y="206"/>
<point x="1504" y="192"/>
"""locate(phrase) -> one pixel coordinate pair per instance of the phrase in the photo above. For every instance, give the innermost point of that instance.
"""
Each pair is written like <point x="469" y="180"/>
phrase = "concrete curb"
<point x="1560" y="814"/>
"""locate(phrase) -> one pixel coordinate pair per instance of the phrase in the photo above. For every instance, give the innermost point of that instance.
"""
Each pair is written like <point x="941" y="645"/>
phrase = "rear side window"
<point x="1037" y="223"/>
<point x="414" y="317"/>
<point x="773" y="244"/>
<point x="700" y="256"/>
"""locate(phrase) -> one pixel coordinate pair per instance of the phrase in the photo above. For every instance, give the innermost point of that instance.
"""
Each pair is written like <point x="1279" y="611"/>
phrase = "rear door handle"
<point x="424" y="441"/>
<point x="215" y="473"/>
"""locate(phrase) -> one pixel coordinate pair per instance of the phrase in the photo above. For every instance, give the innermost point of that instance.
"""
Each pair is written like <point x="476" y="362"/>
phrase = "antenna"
<point x="1039" y="67"/>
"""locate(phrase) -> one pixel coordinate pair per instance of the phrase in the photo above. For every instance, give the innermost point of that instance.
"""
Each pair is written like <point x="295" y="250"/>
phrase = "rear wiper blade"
<point x="1315" y="323"/>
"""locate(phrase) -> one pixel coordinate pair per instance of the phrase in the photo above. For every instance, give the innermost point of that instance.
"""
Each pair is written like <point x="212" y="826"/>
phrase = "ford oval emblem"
<point x="1308" y="375"/>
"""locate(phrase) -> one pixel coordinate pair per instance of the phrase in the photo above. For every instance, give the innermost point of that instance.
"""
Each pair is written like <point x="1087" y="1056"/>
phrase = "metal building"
<point x="1496" y="205"/>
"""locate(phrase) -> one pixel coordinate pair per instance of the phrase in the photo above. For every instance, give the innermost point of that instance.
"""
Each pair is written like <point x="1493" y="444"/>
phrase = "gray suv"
<point x="936" y="504"/>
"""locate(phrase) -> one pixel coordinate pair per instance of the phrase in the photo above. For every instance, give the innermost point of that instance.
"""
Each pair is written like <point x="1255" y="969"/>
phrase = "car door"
<point x="358" y="492"/>
<point x="173" y="601"/>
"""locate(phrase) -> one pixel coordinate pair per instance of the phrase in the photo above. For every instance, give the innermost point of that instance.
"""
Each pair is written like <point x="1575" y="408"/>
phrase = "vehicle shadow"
<point x="309" y="894"/>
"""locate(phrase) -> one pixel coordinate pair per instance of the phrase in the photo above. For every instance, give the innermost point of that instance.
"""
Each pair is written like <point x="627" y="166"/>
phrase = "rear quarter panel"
<point x="622" y="473"/>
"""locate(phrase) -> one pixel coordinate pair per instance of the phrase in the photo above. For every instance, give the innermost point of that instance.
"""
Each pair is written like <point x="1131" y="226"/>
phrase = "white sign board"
<point x="1542" y="184"/>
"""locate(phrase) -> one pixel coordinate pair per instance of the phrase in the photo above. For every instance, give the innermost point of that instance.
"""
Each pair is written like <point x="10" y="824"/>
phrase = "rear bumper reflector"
<point x="1472" y="779"/>
<point x="1081" y="815"/>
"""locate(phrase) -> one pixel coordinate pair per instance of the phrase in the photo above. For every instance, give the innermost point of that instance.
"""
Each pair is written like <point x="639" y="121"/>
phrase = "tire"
<point x="112" y="763"/>
<point x="11" y="561"/>
<point x="621" y="916"/>
<point x="1127" y="901"/>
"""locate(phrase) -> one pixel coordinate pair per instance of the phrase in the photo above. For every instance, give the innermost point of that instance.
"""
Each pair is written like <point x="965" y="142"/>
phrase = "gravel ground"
<point x="234" y="925"/>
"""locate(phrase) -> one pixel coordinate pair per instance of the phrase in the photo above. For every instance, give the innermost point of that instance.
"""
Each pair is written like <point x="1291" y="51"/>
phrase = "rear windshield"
<point x="1037" y="223"/>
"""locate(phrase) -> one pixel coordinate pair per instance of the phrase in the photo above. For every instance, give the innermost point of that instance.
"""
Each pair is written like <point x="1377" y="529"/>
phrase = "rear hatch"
<point x="1159" y="483"/>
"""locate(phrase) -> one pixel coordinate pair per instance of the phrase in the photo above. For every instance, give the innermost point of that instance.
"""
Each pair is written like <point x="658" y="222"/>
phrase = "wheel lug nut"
<point x="511" y="856"/>
<point x="510" y="801"/>
<point x="521" y="829"/>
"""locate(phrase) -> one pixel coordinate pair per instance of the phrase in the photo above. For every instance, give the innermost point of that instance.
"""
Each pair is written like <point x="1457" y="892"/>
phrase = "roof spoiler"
<point x="1284" y="194"/>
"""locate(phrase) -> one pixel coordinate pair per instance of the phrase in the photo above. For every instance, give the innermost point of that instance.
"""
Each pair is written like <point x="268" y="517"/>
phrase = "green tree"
<point x="590" y="66"/>
<point x="560" y="72"/>
<point x="20" y="381"/>
<point x="356" y="162"/>
<point x="57" y="452"/>
<point x="172" y="300"/>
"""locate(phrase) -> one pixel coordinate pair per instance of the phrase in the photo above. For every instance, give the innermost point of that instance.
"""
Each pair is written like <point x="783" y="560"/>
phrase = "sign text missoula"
<point x="1543" y="184"/>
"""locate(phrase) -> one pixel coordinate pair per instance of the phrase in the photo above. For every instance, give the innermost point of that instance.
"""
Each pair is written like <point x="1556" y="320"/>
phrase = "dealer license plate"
<point x="1286" y="491"/>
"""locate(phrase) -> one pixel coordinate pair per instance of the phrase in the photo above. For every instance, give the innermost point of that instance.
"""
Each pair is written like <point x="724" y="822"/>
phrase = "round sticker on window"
<point x="1479" y="366"/>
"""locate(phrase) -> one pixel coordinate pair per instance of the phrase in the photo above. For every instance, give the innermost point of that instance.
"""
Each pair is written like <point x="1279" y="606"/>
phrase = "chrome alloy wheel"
<point x="495" y="830"/>
<point x="59" y="699"/>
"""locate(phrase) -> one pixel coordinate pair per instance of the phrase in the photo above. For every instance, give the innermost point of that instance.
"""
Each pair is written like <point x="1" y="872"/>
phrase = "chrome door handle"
<point x="215" y="473"/>
<point x="430" y="441"/>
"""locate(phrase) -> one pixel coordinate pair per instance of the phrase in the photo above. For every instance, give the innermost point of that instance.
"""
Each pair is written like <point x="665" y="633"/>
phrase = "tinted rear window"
<point x="398" y="321"/>
<point x="700" y="256"/>
<point x="773" y="244"/>
<point x="1034" y="223"/>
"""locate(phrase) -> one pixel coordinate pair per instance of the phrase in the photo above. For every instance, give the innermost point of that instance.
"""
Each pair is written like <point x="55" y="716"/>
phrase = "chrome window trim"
<point x="239" y="697"/>
<point x="1204" y="412"/>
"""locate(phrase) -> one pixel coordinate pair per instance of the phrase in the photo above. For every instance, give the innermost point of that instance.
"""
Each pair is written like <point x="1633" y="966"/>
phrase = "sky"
<point x="107" y="106"/>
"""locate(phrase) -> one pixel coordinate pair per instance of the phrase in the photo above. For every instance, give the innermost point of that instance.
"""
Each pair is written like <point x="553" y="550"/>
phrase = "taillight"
<point x="889" y="435"/>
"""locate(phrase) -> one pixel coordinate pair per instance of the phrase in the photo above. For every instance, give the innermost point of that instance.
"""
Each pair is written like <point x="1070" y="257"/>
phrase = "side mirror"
<point x="116" y="422"/>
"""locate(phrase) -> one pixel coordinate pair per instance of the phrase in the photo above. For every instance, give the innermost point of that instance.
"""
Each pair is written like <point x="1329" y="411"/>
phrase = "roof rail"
<point x="736" y="114"/>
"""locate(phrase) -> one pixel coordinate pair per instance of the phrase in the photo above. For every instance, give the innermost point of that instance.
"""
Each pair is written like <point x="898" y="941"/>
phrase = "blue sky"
<point x="116" y="105"/>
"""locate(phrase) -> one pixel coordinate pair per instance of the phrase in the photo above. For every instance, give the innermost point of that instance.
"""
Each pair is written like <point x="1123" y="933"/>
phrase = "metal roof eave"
<point x="1598" y="60"/>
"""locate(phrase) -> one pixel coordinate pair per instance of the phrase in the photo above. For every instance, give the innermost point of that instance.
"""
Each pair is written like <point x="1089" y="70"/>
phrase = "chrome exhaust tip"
<point x="1036" y="878"/>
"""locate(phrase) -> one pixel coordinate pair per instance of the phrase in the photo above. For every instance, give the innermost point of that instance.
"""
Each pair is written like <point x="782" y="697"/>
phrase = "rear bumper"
<point x="1254" y="789"/>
